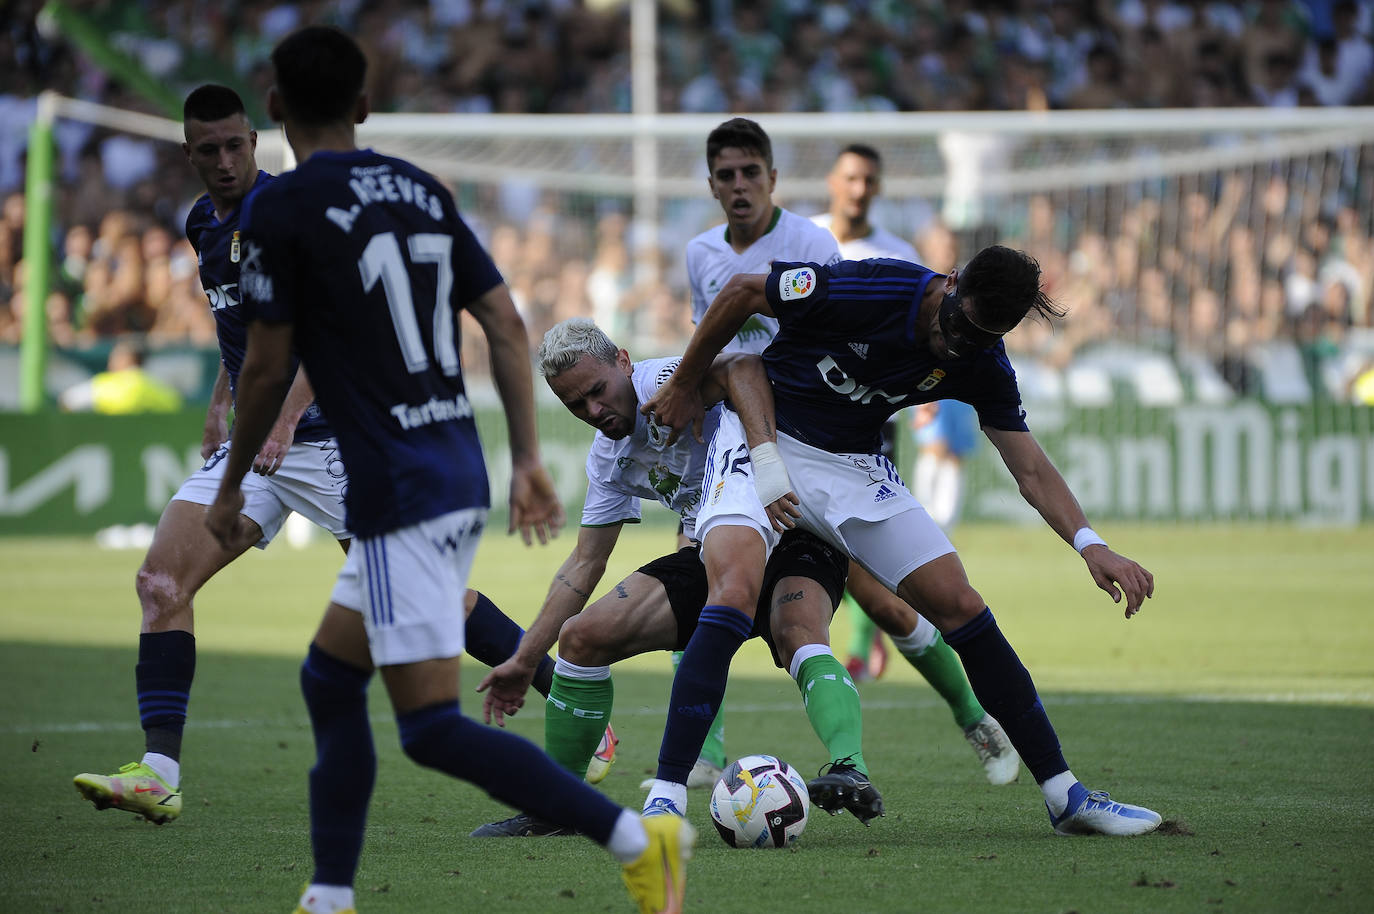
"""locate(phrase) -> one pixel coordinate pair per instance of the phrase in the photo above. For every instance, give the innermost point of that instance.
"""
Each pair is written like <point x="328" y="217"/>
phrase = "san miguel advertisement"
<point x="1245" y="461"/>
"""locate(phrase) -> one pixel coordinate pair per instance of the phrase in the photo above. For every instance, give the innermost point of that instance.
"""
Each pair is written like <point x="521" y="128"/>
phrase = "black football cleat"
<point x="521" y="826"/>
<point x="845" y="787"/>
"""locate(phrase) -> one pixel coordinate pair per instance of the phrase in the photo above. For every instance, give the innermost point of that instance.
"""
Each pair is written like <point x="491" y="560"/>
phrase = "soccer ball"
<point x="760" y="801"/>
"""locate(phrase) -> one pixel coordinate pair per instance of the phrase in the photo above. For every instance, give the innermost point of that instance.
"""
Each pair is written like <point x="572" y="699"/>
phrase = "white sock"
<point x="628" y="839"/>
<point x="167" y="768"/>
<point x="669" y="790"/>
<point x="948" y="495"/>
<point x="569" y="670"/>
<point x="919" y="640"/>
<point x="326" y="899"/>
<point x="923" y="478"/>
<point x="1056" y="791"/>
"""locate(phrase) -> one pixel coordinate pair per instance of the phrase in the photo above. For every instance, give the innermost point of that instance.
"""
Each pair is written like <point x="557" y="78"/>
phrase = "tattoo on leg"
<point x="621" y="592"/>
<point x="790" y="597"/>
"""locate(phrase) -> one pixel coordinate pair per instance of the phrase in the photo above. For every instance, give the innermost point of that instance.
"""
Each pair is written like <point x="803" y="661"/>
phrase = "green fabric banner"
<point x="67" y="474"/>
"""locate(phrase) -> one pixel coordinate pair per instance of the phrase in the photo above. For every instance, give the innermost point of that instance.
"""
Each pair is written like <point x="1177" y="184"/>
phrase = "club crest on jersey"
<point x="796" y="283"/>
<point x="234" y="247"/>
<point x="935" y="377"/>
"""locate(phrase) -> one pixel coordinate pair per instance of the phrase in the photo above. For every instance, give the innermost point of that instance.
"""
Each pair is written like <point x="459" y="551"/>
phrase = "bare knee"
<point x="163" y="598"/>
<point x="737" y="587"/>
<point x="954" y="608"/>
<point x="581" y="642"/>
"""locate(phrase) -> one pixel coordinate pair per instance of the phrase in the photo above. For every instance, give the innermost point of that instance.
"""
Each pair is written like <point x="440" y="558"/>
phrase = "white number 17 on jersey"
<point x="382" y="260"/>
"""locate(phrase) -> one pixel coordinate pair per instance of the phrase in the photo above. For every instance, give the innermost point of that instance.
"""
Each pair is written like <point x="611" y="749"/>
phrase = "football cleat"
<point x="603" y="758"/>
<point x="1095" y="813"/>
<point x="845" y="787"/>
<point x="704" y="773"/>
<point x="660" y="806"/>
<point x="657" y="879"/>
<point x="134" y="788"/>
<point x="877" y="657"/>
<point x="1000" y="761"/>
<point x="521" y="826"/>
<point x="857" y="668"/>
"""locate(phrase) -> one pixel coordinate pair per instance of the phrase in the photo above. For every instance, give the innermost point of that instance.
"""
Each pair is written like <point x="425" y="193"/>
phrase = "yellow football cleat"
<point x="657" y="880"/>
<point x="604" y="758"/>
<point x="134" y="788"/>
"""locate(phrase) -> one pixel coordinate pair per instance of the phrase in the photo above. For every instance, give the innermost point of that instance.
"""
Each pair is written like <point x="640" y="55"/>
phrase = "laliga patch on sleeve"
<point x="797" y="283"/>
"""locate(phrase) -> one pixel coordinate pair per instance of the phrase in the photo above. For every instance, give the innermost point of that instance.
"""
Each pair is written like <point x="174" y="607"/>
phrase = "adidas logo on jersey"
<point x="860" y="349"/>
<point x="883" y="494"/>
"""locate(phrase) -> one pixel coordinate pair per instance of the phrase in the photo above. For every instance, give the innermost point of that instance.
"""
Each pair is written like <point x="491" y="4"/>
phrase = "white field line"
<point x="534" y="710"/>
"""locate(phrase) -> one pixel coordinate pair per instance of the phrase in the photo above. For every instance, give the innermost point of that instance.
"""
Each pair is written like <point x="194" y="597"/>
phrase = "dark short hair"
<point x="320" y="73"/>
<point x="863" y="150"/>
<point x="739" y="133"/>
<point x="1004" y="285"/>
<point x="212" y="102"/>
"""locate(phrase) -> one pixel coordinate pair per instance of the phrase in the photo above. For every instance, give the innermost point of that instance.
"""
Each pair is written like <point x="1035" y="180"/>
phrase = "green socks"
<point x="942" y="669"/>
<point x="713" y="750"/>
<point x="861" y="628"/>
<point x="832" y="705"/>
<point x="575" y="717"/>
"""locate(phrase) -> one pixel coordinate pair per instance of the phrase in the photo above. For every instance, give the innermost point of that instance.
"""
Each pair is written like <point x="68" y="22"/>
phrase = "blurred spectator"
<point x="1226" y="261"/>
<point x="123" y="388"/>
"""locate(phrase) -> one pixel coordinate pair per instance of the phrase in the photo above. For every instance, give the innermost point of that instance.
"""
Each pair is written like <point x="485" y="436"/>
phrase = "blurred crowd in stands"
<point x="1219" y="269"/>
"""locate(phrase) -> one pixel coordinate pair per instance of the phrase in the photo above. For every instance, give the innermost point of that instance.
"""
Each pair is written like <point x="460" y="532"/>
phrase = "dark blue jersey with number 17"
<point x="368" y="258"/>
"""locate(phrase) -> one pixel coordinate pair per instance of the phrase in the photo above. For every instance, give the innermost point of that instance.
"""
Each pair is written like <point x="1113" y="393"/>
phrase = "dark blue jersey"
<point x="367" y="257"/>
<point x="218" y="250"/>
<point x="846" y="356"/>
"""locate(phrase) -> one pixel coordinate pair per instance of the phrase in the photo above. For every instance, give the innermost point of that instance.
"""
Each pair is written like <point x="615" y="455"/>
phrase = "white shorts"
<point x="409" y="586"/>
<point x="859" y="503"/>
<point x="728" y="494"/>
<point x="310" y="481"/>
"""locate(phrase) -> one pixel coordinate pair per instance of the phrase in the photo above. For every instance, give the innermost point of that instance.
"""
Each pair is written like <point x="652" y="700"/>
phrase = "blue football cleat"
<point x="1095" y="813"/>
<point x="661" y="806"/>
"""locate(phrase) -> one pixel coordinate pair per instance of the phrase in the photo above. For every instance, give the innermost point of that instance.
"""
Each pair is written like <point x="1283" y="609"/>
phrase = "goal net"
<point x="1218" y="261"/>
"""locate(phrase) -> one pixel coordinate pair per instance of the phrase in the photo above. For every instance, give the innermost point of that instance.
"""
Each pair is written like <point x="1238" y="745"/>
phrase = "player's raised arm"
<point x="572" y="586"/>
<point x="742" y="379"/>
<point x="1044" y="489"/>
<point x="534" y="505"/>
<point x="677" y="404"/>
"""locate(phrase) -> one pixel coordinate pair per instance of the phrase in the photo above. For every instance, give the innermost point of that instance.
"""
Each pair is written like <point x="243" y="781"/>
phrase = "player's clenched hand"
<point x="676" y="409"/>
<point x="534" y="505"/>
<point x="505" y="686"/>
<point x="225" y="519"/>
<point x="273" y="450"/>
<point x="1111" y="571"/>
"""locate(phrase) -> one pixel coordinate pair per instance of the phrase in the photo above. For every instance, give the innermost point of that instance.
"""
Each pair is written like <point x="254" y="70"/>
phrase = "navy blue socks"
<point x="509" y="768"/>
<point x="699" y="688"/>
<point x="166" y="666"/>
<point x="345" y="764"/>
<point x="1005" y="690"/>
<point x="492" y="637"/>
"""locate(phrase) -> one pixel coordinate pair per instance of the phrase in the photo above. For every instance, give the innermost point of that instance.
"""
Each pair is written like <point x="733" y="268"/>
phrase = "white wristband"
<point x="771" y="481"/>
<point x="1085" y="537"/>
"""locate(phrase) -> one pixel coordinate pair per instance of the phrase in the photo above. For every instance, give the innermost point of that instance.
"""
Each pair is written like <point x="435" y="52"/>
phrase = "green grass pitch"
<point x="1240" y="704"/>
